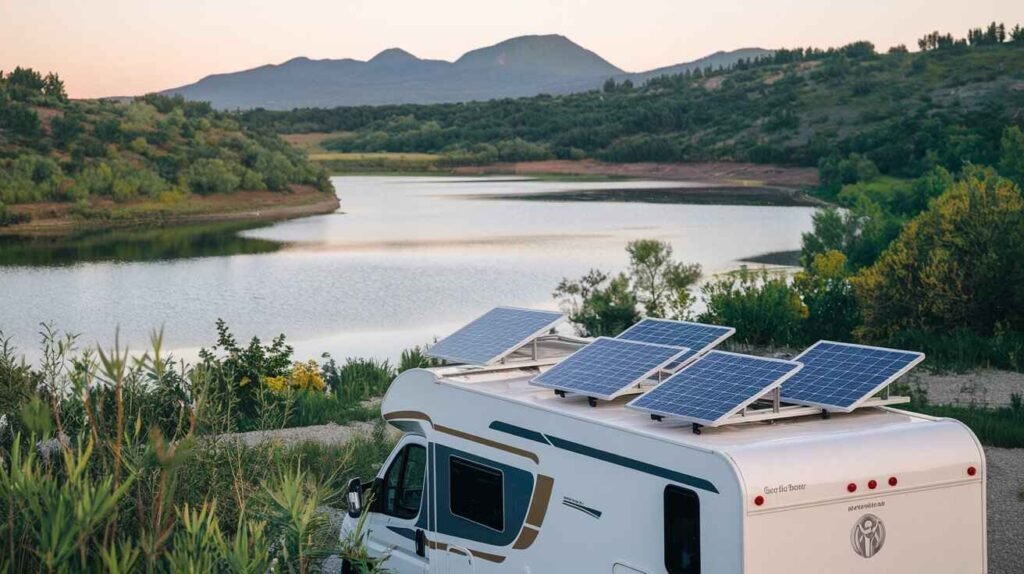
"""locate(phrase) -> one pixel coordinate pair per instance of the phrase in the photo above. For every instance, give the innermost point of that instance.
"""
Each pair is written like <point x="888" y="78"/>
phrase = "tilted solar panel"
<point x="841" y="376"/>
<point x="715" y="387"/>
<point x="494" y="335"/>
<point x="607" y="368"/>
<point x="697" y="337"/>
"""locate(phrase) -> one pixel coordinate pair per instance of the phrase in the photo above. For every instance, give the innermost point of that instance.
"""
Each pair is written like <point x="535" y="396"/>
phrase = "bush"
<point x="956" y="266"/>
<point x="825" y="289"/>
<point x="357" y="379"/>
<point x="208" y="176"/>
<point x="764" y="309"/>
<point x="602" y="305"/>
<point x="598" y="304"/>
<point x="415" y="359"/>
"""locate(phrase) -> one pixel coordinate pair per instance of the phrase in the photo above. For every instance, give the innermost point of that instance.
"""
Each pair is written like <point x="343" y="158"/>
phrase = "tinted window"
<point x="682" y="531"/>
<point x="403" y="483"/>
<point x="476" y="493"/>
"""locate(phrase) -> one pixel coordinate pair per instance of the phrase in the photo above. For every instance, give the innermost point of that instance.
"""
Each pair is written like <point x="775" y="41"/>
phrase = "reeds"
<point x="108" y="464"/>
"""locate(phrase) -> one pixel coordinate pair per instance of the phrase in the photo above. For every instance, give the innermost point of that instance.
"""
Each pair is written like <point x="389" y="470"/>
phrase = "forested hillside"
<point x="157" y="148"/>
<point x="906" y="112"/>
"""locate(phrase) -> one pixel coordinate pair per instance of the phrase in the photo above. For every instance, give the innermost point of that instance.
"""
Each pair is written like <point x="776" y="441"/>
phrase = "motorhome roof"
<point x="511" y="383"/>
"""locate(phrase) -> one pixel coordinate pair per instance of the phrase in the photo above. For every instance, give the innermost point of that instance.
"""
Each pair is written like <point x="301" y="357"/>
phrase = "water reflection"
<point x="133" y="245"/>
<point x="407" y="259"/>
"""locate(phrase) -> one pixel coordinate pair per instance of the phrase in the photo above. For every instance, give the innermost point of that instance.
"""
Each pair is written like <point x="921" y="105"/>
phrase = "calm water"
<point x="406" y="260"/>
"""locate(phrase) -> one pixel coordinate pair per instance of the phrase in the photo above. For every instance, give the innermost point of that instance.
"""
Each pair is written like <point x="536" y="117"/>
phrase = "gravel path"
<point x="326" y="434"/>
<point x="987" y="387"/>
<point x="1005" y="510"/>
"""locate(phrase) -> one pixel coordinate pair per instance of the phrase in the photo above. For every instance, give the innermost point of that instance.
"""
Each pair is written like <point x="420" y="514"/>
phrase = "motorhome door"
<point x="397" y="526"/>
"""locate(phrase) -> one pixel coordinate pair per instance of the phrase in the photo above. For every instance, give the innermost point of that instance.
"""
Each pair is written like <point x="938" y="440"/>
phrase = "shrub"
<point x="957" y="265"/>
<point x="825" y="290"/>
<point x="599" y="304"/>
<point x="208" y="176"/>
<point x="302" y="377"/>
<point x="604" y="305"/>
<point x="414" y="358"/>
<point x="765" y="309"/>
<point x="357" y="379"/>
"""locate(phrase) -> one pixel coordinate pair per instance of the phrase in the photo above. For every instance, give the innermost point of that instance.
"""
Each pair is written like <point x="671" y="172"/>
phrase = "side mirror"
<point x="355" y="498"/>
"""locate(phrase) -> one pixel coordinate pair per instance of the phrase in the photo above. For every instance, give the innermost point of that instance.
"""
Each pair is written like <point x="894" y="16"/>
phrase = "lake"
<point x="406" y="259"/>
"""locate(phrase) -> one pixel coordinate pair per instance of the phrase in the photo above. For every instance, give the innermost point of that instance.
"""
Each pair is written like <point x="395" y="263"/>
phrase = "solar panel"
<point x="697" y="337"/>
<point x="606" y="368"/>
<point x="494" y="335"/>
<point x="715" y="387"/>
<point x="841" y="376"/>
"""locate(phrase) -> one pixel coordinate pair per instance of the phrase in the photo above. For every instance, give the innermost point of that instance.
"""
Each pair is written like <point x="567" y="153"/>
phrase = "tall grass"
<point x="963" y="350"/>
<point x="113" y="463"/>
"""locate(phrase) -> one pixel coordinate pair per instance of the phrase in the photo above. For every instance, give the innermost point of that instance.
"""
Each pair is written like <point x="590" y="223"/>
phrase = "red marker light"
<point x="852" y="487"/>
<point x="971" y="471"/>
<point x="759" y="500"/>
<point x="872" y="484"/>
<point x="893" y="481"/>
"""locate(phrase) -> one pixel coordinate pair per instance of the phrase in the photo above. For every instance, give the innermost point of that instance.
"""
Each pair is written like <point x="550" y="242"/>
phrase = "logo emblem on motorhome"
<point x="868" y="535"/>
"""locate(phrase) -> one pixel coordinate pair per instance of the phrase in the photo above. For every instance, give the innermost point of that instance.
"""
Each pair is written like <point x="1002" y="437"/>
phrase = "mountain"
<point x="518" y="67"/>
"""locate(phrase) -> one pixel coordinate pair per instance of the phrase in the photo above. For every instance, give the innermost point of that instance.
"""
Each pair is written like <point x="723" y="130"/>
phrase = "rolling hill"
<point x="518" y="67"/>
<point x="65" y="163"/>
<point x="904" y="112"/>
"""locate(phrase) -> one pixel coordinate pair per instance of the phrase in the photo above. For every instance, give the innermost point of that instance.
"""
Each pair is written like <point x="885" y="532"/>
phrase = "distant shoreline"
<point x="728" y="173"/>
<point x="61" y="218"/>
<point x="710" y="183"/>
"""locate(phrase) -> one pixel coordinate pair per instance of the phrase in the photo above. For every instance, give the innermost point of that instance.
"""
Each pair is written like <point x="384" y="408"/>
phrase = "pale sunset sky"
<point x="129" y="47"/>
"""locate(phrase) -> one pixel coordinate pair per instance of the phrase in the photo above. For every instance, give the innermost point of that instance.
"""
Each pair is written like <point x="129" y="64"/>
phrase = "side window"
<point x="476" y="493"/>
<point x="682" y="531"/>
<point x="403" y="483"/>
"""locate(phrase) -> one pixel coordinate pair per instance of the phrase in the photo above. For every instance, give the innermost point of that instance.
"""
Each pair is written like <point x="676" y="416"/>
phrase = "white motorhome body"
<point x="493" y="474"/>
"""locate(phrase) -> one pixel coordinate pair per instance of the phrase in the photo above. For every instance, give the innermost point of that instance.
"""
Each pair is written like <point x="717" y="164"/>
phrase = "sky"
<point x="130" y="47"/>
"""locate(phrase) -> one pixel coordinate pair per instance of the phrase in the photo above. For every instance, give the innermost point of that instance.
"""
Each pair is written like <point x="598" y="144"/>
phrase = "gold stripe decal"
<point x="526" y="538"/>
<point x="488" y="442"/>
<point x="414" y="415"/>
<point x="541" y="499"/>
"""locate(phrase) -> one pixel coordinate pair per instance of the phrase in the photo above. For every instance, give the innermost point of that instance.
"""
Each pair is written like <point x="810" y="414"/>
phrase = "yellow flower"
<point x="276" y="384"/>
<point x="303" y="377"/>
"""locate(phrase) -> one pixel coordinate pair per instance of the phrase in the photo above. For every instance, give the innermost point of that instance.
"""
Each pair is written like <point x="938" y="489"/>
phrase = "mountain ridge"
<point x="516" y="67"/>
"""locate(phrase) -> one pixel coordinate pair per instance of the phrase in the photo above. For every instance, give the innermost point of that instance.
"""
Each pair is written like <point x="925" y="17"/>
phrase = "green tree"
<point x="21" y="120"/>
<point x="661" y="284"/>
<point x="207" y="176"/>
<point x="957" y="265"/>
<point x="861" y="232"/>
<point x="765" y="309"/>
<point x="1011" y="157"/>
<point x="65" y="129"/>
<point x="53" y="87"/>
<point x="1017" y="35"/>
<point x="826" y="291"/>
<point x="599" y="304"/>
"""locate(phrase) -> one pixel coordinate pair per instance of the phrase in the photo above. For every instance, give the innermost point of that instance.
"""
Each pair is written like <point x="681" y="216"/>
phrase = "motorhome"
<point x="508" y="463"/>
